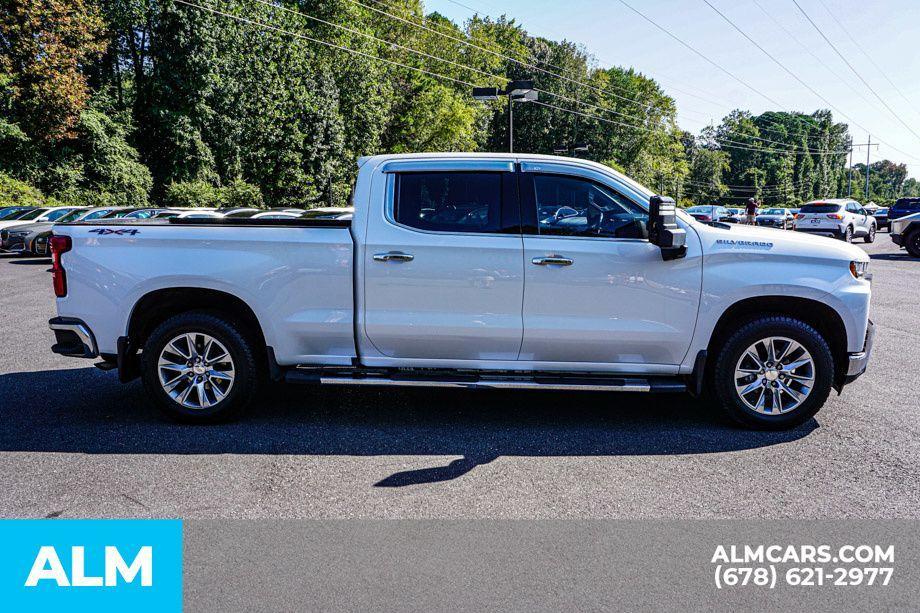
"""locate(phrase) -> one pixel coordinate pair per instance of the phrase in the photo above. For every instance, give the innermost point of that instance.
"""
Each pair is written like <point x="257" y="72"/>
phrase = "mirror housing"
<point x="663" y="229"/>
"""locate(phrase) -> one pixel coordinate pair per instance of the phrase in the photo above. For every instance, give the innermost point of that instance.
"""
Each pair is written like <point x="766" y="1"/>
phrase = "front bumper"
<point x="860" y="360"/>
<point x="898" y="239"/>
<point x="73" y="338"/>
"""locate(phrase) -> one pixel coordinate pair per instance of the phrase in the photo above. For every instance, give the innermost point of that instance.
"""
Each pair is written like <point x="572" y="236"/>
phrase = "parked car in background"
<point x="837" y="218"/>
<point x="903" y="207"/>
<point x="35" y="215"/>
<point x="905" y="232"/>
<point x="881" y="218"/>
<point x="31" y="238"/>
<point x="329" y="212"/>
<point x="711" y="213"/>
<point x="776" y="218"/>
<point x="9" y="212"/>
<point x="738" y="215"/>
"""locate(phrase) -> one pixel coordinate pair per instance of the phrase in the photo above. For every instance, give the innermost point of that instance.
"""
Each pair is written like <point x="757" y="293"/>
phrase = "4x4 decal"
<point x="119" y="232"/>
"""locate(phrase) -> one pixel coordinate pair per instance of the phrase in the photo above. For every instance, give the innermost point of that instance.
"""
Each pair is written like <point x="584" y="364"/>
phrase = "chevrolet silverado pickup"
<point x="469" y="271"/>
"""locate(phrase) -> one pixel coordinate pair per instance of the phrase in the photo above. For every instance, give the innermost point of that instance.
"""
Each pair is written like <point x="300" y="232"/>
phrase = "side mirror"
<point x="663" y="229"/>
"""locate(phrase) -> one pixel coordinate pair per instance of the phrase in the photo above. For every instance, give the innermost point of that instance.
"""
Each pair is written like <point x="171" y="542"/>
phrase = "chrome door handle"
<point x="396" y="256"/>
<point x="553" y="260"/>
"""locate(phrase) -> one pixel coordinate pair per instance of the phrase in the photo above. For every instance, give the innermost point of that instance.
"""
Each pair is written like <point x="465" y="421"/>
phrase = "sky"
<point x="879" y="38"/>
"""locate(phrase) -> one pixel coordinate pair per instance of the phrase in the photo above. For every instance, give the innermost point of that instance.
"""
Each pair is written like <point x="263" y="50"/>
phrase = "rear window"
<point x="907" y="204"/>
<point x="449" y="201"/>
<point x="820" y="208"/>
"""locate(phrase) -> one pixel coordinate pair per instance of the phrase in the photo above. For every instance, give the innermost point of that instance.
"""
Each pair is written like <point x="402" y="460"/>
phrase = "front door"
<point x="596" y="291"/>
<point x="443" y="272"/>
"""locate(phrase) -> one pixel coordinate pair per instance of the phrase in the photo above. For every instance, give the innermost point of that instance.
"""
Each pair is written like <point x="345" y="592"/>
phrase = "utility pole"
<point x="511" y="126"/>
<point x="868" y="145"/>
<point x="850" y="181"/>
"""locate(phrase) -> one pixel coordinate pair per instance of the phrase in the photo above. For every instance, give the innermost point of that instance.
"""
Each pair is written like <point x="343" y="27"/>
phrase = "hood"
<point x="33" y="226"/>
<point x="733" y="238"/>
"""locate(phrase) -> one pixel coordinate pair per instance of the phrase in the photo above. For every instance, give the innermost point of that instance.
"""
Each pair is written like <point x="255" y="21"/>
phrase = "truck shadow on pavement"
<point x="87" y="411"/>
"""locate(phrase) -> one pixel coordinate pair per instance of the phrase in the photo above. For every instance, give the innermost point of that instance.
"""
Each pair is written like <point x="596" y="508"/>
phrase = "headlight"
<point x="860" y="270"/>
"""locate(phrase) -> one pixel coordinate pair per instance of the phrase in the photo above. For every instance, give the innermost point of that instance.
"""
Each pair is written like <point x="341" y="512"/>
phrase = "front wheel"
<point x="870" y="237"/>
<point x="199" y="367"/>
<point x="773" y="373"/>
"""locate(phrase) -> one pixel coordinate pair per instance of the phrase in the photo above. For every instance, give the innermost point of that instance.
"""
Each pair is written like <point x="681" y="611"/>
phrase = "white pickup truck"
<point x="471" y="271"/>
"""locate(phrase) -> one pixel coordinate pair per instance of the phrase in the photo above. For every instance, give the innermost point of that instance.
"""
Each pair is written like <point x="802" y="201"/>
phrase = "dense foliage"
<point x="135" y="101"/>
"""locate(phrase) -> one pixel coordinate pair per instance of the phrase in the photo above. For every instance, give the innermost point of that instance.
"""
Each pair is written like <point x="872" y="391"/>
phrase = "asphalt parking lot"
<point x="76" y="443"/>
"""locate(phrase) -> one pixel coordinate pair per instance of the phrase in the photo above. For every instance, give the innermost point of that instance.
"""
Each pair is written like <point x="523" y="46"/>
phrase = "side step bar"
<point x="563" y="383"/>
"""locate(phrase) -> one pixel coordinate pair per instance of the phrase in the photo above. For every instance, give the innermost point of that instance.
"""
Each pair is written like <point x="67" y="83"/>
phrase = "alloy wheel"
<point x="196" y="370"/>
<point x="774" y="375"/>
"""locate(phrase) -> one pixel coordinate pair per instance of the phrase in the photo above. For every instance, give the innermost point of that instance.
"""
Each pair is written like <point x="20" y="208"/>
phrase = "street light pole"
<point x="510" y="124"/>
<point x="516" y="91"/>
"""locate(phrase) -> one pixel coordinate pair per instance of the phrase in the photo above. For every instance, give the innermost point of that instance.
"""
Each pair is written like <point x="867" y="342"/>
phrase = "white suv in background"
<point x="838" y="218"/>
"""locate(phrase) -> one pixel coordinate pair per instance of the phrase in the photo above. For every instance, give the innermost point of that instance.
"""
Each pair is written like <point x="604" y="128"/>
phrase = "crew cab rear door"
<point x="597" y="294"/>
<point x="443" y="271"/>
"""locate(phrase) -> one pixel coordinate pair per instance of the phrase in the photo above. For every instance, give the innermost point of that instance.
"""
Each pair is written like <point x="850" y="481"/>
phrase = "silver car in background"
<point x="838" y="218"/>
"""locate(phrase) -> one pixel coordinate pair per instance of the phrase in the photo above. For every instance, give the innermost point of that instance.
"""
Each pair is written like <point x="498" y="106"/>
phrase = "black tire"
<point x="761" y="328"/>
<point x="847" y="235"/>
<point x="912" y="243"/>
<point x="870" y="237"/>
<point x="239" y="347"/>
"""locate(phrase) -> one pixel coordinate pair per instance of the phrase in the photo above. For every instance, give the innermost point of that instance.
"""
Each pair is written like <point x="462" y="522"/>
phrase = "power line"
<point x="847" y="62"/>
<point x="727" y="142"/>
<point x="808" y="50"/>
<point x="777" y="62"/>
<point x="321" y="42"/>
<point x="868" y="57"/>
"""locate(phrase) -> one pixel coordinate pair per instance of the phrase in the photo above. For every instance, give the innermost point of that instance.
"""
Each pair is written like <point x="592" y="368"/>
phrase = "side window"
<point x="569" y="206"/>
<point x="851" y="207"/>
<point x="449" y="201"/>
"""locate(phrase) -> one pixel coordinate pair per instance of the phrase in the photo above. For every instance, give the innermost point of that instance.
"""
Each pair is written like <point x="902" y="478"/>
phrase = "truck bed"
<point x="295" y="275"/>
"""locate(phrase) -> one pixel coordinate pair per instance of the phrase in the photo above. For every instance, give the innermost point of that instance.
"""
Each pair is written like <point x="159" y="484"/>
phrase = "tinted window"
<point x="598" y="210"/>
<point x="11" y="213"/>
<point x="71" y="216"/>
<point x="820" y="208"/>
<point x="31" y="214"/>
<point x="449" y="201"/>
<point x="907" y="204"/>
<point x="55" y="215"/>
<point x="95" y="215"/>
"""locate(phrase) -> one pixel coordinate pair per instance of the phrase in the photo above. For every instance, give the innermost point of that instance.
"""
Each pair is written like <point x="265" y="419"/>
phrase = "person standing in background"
<point x="751" y="211"/>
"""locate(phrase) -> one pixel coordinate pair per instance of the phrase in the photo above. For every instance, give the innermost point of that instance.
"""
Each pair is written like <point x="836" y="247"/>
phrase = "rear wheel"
<point x="773" y="373"/>
<point x="912" y="243"/>
<point x="847" y="235"/>
<point x="870" y="237"/>
<point x="199" y="367"/>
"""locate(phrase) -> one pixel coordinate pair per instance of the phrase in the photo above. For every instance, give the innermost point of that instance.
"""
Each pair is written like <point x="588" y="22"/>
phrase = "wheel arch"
<point x="156" y="306"/>
<point x="816" y="314"/>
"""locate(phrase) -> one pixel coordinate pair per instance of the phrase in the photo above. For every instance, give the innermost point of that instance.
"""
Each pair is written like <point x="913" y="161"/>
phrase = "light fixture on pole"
<point x="517" y="91"/>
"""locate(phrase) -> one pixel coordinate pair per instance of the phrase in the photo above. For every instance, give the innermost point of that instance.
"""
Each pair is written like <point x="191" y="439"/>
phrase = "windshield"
<point x="55" y="215"/>
<point x="31" y="214"/>
<point x="70" y="216"/>
<point x="820" y="207"/>
<point x="774" y="212"/>
<point x="700" y="209"/>
<point x="12" y="212"/>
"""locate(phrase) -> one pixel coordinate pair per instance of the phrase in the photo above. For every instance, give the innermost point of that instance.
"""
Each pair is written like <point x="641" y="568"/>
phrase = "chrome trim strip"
<point x="635" y="385"/>
<point x="435" y="165"/>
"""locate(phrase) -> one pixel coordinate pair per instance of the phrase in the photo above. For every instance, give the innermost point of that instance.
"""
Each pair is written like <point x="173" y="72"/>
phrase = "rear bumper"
<point x="832" y="232"/>
<point x="860" y="360"/>
<point x="73" y="338"/>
